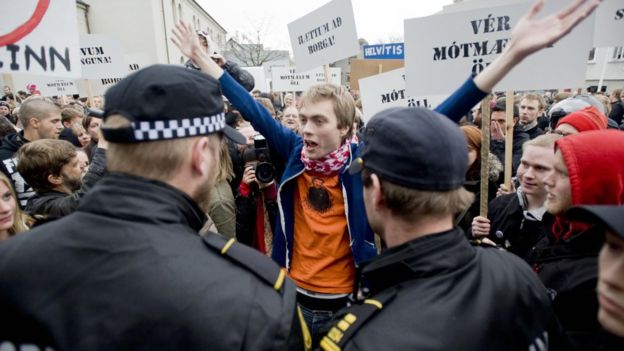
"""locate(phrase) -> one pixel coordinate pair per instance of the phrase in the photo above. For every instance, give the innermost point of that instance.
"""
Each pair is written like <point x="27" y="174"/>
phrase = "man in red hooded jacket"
<point x="588" y="170"/>
<point x="583" y="120"/>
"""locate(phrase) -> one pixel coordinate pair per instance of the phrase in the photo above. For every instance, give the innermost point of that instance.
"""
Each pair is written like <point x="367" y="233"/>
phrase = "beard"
<point x="202" y="195"/>
<point x="73" y="184"/>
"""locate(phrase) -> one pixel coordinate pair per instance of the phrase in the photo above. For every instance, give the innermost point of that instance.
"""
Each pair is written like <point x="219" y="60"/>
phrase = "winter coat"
<point x="497" y="147"/>
<point x="438" y="292"/>
<point x="128" y="271"/>
<point x="8" y="165"/>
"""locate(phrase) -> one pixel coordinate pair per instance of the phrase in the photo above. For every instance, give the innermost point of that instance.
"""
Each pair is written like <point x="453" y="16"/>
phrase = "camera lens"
<point x="265" y="173"/>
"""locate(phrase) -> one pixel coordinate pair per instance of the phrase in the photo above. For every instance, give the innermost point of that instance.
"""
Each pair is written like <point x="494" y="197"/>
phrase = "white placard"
<point x="386" y="90"/>
<point x="325" y="35"/>
<point x="288" y="79"/>
<point x="260" y="81"/>
<point x="609" y="29"/>
<point x="46" y="85"/>
<point x="39" y="37"/>
<point x="132" y="62"/>
<point x="101" y="56"/>
<point x="465" y="42"/>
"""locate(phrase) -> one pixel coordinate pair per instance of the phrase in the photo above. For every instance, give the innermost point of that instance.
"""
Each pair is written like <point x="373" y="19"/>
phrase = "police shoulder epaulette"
<point x="250" y="259"/>
<point x="484" y="243"/>
<point x="355" y="317"/>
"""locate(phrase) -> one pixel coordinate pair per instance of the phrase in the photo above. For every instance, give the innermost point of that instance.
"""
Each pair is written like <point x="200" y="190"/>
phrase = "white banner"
<point x="132" y="62"/>
<point x="459" y="43"/>
<point x="609" y="29"/>
<point x="260" y="81"/>
<point x="288" y="79"/>
<point x="101" y="56"/>
<point x="47" y="86"/>
<point x="387" y="90"/>
<point x="39" y="37"/>
<point x="325" y="35"/>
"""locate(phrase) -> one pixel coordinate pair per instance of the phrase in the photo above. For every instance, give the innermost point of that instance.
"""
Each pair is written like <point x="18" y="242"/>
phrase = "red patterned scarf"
<point x="329" y="164"/>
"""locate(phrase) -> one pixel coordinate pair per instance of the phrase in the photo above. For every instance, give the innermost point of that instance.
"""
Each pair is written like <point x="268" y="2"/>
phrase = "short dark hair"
<point x="38" y="159"/>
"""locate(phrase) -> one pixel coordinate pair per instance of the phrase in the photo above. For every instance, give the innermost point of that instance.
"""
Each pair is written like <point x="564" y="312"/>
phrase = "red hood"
<point x="595" y="162"/>
<point x="585" y="120"/>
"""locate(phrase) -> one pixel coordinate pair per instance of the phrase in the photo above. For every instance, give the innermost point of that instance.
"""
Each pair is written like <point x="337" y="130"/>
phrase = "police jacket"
<point x="440" y="293"/>
<point x="128" y="271"/>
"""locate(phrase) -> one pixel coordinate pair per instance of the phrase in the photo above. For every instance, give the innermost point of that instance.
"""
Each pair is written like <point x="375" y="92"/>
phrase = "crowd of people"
<point x="129" y="222"/>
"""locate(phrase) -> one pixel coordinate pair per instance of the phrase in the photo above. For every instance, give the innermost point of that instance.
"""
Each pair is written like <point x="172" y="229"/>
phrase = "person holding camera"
<point x="256" y="203"/>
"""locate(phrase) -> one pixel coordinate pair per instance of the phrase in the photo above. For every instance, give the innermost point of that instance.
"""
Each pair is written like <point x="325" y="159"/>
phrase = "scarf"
<point x="526" y="127"/>
<point x="329" y="164"/>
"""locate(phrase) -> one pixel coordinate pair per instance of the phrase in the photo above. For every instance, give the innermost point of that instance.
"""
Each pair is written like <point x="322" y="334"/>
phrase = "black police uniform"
<point x="440" y="293"/>
<point x="128" y="271"/>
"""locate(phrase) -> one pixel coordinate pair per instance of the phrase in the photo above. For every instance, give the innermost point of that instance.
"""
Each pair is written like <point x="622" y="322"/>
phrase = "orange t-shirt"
<point x="321" y="260"/>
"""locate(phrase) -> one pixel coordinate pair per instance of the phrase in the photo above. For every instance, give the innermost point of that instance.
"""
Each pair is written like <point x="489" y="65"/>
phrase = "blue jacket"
<point x="289" y="146"/>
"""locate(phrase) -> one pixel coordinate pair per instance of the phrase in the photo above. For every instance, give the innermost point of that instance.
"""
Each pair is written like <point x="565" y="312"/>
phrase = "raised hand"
<point x="186" y="40"/>
<point x="530" y="34"/>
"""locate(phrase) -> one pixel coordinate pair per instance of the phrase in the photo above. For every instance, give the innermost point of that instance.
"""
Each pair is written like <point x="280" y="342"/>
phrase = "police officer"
<point x="430" y="289"/>
<point x="128" y="270"/>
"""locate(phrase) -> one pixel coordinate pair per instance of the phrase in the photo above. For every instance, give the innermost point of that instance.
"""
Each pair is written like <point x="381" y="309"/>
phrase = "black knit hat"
<point x="414" y="147"/>
<point x="164" y="102"/>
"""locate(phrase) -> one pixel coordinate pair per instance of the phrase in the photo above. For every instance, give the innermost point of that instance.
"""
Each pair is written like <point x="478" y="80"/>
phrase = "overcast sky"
<point x="376" y="21"/>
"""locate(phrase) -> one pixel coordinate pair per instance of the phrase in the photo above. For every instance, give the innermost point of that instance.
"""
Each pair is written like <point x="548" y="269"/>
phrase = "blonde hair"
<point x="344" y="105"/>
<point x="19" y="217"/>
<point x="226" y="171"/>
<point x="544" y="140"/>
<point x="409" y="204"/>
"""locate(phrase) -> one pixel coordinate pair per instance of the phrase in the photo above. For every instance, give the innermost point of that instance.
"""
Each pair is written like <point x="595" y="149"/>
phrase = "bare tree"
<point x="248" y="47"/>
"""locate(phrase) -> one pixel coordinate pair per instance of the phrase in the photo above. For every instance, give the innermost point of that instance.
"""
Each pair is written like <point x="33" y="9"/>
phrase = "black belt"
<point x="317" y="304"/>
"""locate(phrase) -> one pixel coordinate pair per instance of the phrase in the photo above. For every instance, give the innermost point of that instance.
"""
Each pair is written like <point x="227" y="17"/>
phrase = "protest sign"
<point x="609" y="24"/>
<point x="384" y="51"/>
<point x="288" y="79"/>
<point x="46" y="85"/>
<point x="132" y="62"/>
<point x="475" y="4"/>
<point x="101" y="56"/>
<point x="366" y="68"/>
<point x="386" y="90"/>
<point x="260" y="81"/>
<point x="325" y="35"/>
<point x="470" y="40"/>
<point x="40" y="37"/>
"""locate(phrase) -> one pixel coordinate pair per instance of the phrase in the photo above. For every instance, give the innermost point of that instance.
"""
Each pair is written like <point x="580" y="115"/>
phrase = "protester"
<point x="5" y="111"/>
<point x="517" y="221"/>
<point x="617" y="106"/>
<point x="69" y="117"/>
<point x="221" y="205"/>
<point x="290" y="118"/>
<point x="588" y="170"/>
<point x="12" y="220"/>
<point x="53" y="169"/>
<point x="84" y="138"/>
<point x="498" y="128"/>
<point x="473" y="176"/>
<point x="91" y="123"/>
<point x="41" y="119"/>
<point x="587" y="119"/>
<point x="127" y="270"/>
<point x="572" y="104"/>
<point x="608" y="219"/>
<point x="531" y="108"/>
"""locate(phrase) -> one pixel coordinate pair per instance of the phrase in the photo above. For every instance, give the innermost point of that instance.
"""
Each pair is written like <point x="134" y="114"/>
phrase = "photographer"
<point x="256" y="203"/>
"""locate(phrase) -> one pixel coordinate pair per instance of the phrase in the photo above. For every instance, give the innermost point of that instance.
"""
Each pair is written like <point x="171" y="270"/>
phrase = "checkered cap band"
<point x="178" y="128"/>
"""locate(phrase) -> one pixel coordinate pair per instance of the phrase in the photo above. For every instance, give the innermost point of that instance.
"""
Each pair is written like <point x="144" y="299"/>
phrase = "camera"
<point x="264" y="170"/>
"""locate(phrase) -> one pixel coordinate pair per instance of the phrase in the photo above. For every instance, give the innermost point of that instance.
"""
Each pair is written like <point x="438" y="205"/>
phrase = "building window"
<point x="181" y="60"/>
<point x="194" y="22"/>
<point x="180" y="16"/>
<point x="592" y="55"/>
<point x="618" y="54"/>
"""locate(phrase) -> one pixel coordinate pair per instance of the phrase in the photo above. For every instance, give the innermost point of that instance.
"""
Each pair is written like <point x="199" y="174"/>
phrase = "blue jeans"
<point x="317" y="321"/>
